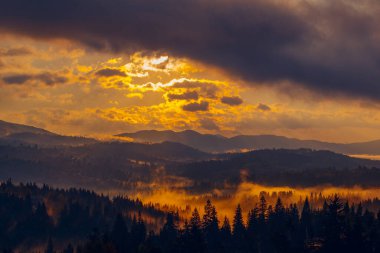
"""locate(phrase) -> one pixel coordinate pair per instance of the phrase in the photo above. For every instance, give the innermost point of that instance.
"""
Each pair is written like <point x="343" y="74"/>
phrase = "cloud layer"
<point x="231" y="100"/>
<point x="46" y="78"/>
<point x="194" y="107"/>
<point x="331" y="47"/>
<point x="184" y="96"/>
<point x="110" y="72"/>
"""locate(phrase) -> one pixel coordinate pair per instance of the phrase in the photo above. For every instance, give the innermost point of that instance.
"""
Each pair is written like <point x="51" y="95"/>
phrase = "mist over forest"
<point x="189" y="126"/>
<point x="169" y="197"/>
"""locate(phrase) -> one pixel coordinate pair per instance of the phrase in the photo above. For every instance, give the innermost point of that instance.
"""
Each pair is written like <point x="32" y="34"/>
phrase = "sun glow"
<point x="159" y="60"/>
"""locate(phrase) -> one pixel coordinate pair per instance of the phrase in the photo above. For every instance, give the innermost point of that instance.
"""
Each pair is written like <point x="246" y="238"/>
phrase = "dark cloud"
<point x="16" y="79"/>
<point x="108" y="72"/>
<point x="332" y="47"/>
<point x="20" y="51"/>
<point x="46" y="78"/>
<point x="50" y="79"/>
<point x="193" y="107"/>
<point x="231" y="100"/>
<point x="263" y="107"/>
<point x="184" y="96"/>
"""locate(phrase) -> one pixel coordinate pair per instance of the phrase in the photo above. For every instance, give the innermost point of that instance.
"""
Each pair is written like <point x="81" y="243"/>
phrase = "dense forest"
<point x="337" y="227"/>
<point x="29" y="214"/>
<point x="45" y="219"/>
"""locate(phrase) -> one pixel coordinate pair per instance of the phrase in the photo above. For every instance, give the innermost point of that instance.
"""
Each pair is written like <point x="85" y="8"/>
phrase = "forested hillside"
<point x="30" y="214"/>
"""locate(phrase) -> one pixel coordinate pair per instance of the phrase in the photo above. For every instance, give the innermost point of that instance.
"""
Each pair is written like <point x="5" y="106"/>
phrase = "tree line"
<point x="337" y="226"/>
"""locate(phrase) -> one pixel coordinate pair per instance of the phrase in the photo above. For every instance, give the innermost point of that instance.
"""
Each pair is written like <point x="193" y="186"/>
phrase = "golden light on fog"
<point x="150" y="109"/>
<point x="247" y="195"/>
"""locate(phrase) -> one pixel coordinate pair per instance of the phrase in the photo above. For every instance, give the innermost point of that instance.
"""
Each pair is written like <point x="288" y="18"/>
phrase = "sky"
<point x="307" y="69"/>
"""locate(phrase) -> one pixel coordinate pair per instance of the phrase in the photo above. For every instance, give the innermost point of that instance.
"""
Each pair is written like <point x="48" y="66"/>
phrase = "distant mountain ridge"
<point x="220" y="144"/>
<point x="12" y="133"/>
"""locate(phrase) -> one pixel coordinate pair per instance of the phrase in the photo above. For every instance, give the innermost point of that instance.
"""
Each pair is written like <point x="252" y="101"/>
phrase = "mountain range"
<point x="11" y="133"/>
<point x="220" y="144"/>
<point x="176" y="159"/>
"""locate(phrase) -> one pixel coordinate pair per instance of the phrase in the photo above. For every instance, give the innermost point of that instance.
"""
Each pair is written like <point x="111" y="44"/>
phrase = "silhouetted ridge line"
<point x="220" y="144"/>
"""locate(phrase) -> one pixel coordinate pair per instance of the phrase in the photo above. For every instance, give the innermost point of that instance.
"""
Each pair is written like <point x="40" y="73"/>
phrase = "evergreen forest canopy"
<point x="45" y="219"/>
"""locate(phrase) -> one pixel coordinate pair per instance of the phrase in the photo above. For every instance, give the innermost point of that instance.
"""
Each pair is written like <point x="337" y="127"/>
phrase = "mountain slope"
<point x="7" y="129"/>
<point x="105" y="165"/>
<point x="15" y="134"/>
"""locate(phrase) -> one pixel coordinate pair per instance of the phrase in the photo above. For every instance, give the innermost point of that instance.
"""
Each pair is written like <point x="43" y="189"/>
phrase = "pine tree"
<point x="333" y="225"/>
<point x="238" y="230"/>
<point x="49" y="247"/>
<point x="252" y="225"/>
<point x="195" y="221"/>
<point x="263" y="211"/>
<point x="356" y="240"/>
<point x="238" y="224"/>
<point x="138" y="232"/>
<point x="195" y="240"/>
<point x="253" y="229"/>
<point x="169" y="234"/>
<point x="119" y="234"/>
<point x="279" y="208"/>
<point x="69" y="249"/>
<point x="226" y="236"/>
<point x="210" y="219"/>
<point x="306" y="220"/>
<point x="170" y="228"/>
<point x="226" y="229"/>
<point x="210" y="225"/>
<point x="98" y="244"/>
<point x="278" y="227"/>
